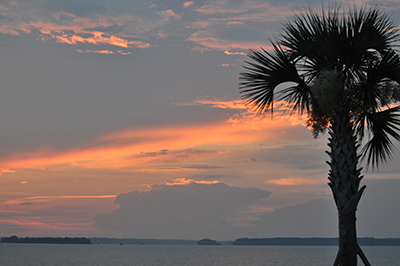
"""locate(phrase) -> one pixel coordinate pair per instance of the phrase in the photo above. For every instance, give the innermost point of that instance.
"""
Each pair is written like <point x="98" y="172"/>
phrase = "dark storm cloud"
<point x="180" y="211"/>
<point x="197" y="210"/>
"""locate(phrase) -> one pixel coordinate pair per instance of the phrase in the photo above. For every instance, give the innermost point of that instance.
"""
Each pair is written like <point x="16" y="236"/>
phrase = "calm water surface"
<point x="169" y="255"/>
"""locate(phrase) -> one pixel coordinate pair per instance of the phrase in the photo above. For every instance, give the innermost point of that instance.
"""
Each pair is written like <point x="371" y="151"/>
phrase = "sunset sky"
<point x="123" y="119"/>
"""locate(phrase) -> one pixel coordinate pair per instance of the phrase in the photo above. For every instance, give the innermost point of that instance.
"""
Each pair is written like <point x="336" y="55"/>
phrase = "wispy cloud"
<point x="104" y="52"/>
<point x="223" y="104"/>
<point x="72" y="197"/>
<point x="215" y="25"/>
<point x="184" y="181"/>
<point x="68" y="24"/>
<point x="295" y="181"/>
<point x="165" y="147"/>
<point x="234" y="53"/>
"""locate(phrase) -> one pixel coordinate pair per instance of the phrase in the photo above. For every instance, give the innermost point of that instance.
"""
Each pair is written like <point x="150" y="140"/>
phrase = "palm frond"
<point x="268" y="70"/>
<point x="383" y="126"/>
<point x="377" y="90"/>
<point x="359" y="45"/>
<point x="307" y="37"/>
<point x="330" y="39"/>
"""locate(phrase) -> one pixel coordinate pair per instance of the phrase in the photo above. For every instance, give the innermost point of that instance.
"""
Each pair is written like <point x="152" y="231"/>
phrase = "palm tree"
<point x="341" y="70"/>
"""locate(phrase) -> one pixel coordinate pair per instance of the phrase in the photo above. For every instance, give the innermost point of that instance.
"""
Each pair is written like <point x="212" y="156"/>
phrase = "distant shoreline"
<point x="276" y="241"/>
<point x="314" y="241"/>
<point x="45" y="240"/>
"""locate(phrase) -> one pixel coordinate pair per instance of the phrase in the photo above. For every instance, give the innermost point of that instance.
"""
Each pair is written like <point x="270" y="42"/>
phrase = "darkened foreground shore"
<point x="46" y="240"/>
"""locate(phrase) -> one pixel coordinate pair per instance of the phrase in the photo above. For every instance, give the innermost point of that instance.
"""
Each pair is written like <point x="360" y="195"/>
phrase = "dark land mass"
<point x="277" y="241"/>
<point x="207" y="241"/>
<point x="314" y="241"/>
<point x="46" y="240"/>
<point x="147" y="241"/>
<point x="140" y="241"/>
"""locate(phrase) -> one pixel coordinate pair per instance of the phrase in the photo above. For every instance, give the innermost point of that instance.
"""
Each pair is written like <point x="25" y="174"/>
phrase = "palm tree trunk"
<point x="344" y="180"/>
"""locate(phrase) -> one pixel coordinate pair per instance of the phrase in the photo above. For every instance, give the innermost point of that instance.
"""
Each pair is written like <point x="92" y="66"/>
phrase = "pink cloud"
<point x="170" y="13"/>
<point x="96" y="52"/>
<point x="72" y="197"/>
<point x="188" y="4"/>
<point x="295" y="181"/>
<point x="234" y="53"/>
<point x="207" y="40"/>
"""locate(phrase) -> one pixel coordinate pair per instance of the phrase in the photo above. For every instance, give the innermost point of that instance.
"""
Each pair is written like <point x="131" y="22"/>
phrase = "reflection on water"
<point x="169" y="255"/>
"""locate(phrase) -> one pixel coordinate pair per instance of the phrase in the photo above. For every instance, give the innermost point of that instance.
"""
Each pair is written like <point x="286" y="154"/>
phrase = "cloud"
<point x="319" y="217"/>
<point x="104" y="52"/>
<point x="234" y="53"/>
<point x="215" y="103"/>
<point x="226" y="26"/>
<point x="72" y="197"/>
<point x="170" y="14"/>
<point x="184" y="181"/>
<point x="139" y="148"/>
<point x="188" y="4"/>
<point x="192" y="210"/>
<point x="294" y="181"/>
<point x="85" y="23"/>
<point x="211" y="25"/>
<point x="53" y="215"/>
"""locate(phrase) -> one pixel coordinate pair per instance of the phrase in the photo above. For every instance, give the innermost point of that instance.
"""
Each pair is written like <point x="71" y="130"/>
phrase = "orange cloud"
<point x="165" y="147"/>
<point x="104" y="52"/>
<point x="47" y="225"/>
<point x="75" y="32"/>
<point x="248" y="118"/>
<point x="46" y="215"/>
<point x="73" y="197"/>
<point x="294" y="181"/>
<point x="97" y="38"/>
<point x="223" y="104"/>
<point x="235" y="53"/>
<point x="96" y="52"/>
<point x="184" y="181"/>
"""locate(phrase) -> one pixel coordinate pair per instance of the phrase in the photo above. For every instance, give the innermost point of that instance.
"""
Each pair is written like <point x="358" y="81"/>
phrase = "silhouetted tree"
<point x="341" y="69"/>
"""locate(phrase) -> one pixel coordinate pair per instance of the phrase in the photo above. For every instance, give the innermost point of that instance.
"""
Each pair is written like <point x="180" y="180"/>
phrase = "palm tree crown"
<point x="331" y="64"/>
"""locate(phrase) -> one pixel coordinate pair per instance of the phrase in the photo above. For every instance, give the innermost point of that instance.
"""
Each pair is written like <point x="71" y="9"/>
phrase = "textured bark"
<point x="348" y="236"/>
<point x="345" y="180"/>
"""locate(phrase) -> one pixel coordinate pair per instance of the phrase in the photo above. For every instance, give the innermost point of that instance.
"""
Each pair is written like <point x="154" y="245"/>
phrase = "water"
<point x="170" y="255"/>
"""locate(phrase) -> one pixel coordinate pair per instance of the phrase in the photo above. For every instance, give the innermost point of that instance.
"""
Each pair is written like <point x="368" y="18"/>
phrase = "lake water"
<point x="170" y="255"/>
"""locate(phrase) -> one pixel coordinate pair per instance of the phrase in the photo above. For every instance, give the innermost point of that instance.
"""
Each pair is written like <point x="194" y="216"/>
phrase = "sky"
<point x="123" y="119"/>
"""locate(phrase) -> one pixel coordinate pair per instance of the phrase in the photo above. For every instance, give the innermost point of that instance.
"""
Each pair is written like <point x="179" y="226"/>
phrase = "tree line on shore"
<point x="276" y="241"/>
<point x="46" y="240"/>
